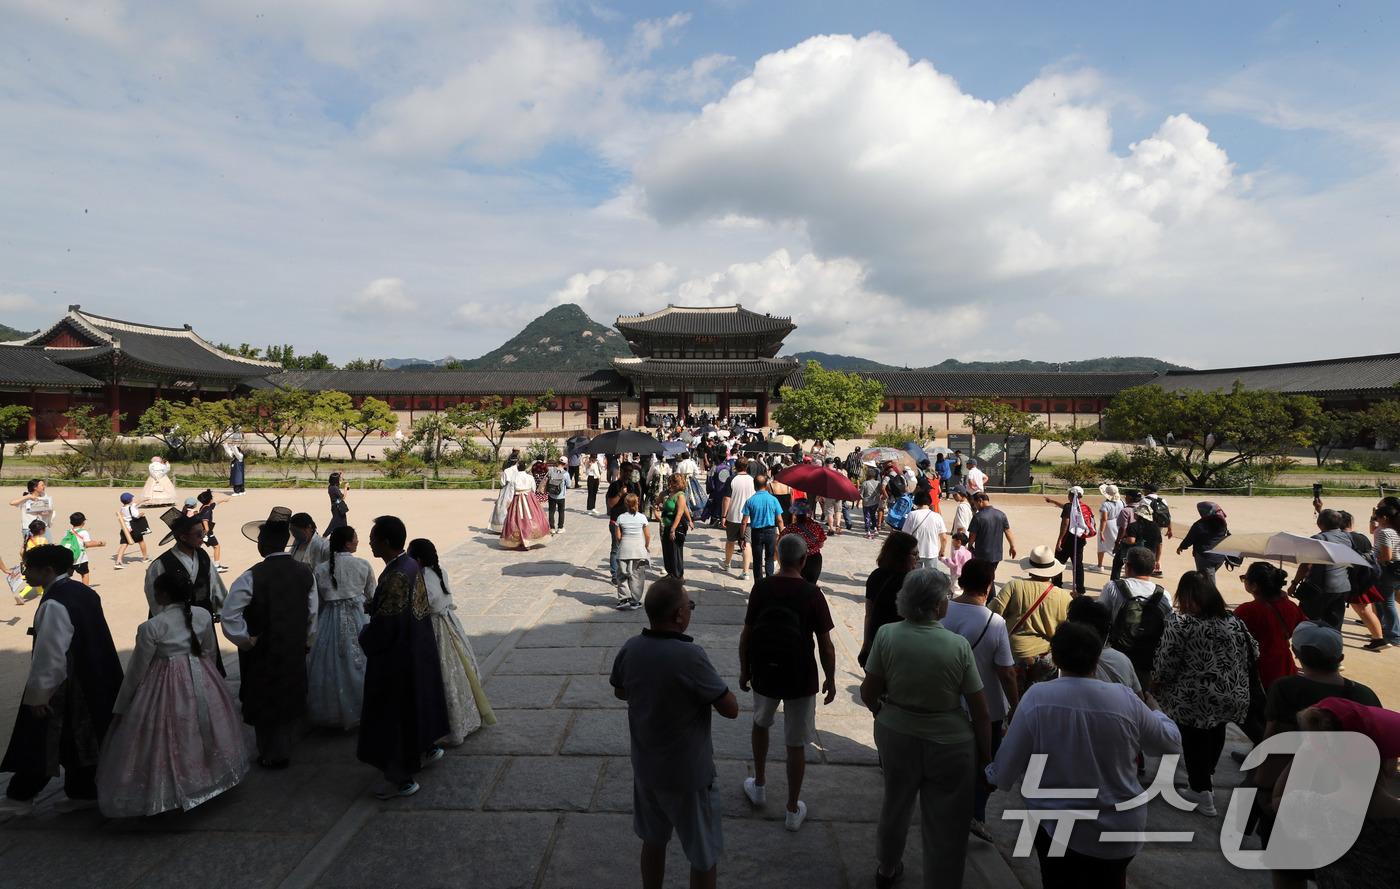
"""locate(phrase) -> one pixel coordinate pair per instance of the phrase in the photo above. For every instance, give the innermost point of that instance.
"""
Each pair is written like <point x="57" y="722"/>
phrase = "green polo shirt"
<point x="926" y="669"/>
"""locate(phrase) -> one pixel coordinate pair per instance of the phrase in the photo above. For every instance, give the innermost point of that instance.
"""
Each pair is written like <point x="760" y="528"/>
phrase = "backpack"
<point x="899" y="511"/>
<point x="1137" y="630"/>
<point x="894" y="485"/>
<point x="73" y="543"/>
<point x="1088" y="515"/>
<point x="555" y="486"/>
<point x="1161" y="513"/>
<point x="1363" y="577"/>
<point x="780" y="653"/>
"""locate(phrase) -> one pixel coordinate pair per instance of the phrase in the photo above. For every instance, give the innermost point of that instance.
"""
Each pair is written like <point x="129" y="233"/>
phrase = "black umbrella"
<point x="766" y="446"/>
<point x="575" y="443"/>
<point x="623" y="441"/>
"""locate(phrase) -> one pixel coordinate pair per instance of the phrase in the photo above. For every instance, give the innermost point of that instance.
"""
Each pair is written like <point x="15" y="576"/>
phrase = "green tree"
<point x="986" y="416"/>
<point x="355" y="424"/>
<point x="244" y="350"/>
<point x="1075" y="436"/>
<point x="98" y="445"/>
<point x="365" y="364"/>
<point x="493" y="419"/>
<point x="1194" y="430"/>
<point x="274" y="415"/>
<point x="434" y="435"/>
<point x="166" y="421"/>
<point x="1331" y="430"/>
<point x="1382" y="420"/>
<point x="453" y="365"/>
<point x="11" y="417"/>
<point x="830" y="405"/>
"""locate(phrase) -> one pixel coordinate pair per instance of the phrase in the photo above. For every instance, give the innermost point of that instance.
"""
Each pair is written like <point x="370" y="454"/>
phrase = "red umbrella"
<point x="818" y="481"/>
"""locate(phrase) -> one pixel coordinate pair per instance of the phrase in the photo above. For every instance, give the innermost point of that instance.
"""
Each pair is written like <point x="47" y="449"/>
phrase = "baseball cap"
<point x="190" y="501"/>
<point x="127" y="498"/>
<point x="1319" y="637"/>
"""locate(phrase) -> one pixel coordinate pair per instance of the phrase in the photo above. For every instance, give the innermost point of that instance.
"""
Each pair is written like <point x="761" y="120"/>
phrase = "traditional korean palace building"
<point x="718" y="362"/>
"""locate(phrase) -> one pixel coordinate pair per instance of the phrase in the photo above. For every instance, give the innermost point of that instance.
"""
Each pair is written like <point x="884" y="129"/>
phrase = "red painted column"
<point x="33" y="415"/>
<point x="114" y="405"/>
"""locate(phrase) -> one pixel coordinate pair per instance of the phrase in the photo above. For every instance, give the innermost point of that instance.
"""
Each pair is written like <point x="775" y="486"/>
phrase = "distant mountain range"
<point x="9" y="334"/>
<point x="565" y="338"/>
<point x="1088" y="365"/>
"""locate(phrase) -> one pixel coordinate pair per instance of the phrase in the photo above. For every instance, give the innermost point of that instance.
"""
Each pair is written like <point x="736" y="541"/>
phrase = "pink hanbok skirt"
<point x="180" y="742"/>
<point x="525" y="522"/>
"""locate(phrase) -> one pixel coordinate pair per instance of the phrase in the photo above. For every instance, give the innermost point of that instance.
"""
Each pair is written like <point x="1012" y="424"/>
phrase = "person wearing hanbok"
<point x="235" y="468"/>
<point x="467" y="707"/>
<point x="504" y="499"/>
<point x="176" y="738"/>
<point x="159" y="489"/>
<point x="338" y="505"/>
<point x="525" y="521"/>
<point x="335" y="668"/>
<point x="405" y="709"/>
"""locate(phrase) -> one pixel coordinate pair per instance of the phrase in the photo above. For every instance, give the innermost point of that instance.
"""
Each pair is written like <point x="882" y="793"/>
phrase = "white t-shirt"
<point x="1114" y="666"/>
<point x="963" y="517"/>
<point x="975" y="479"/>
<point x="740" y="490"/>
<point x="687" y="466"/>
<point x="994" y="649"/>
<point x="30" y="510"/>
<point x="926" y="525"/>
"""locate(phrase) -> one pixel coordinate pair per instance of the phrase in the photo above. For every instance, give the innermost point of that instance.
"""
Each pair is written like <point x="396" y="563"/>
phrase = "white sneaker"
<point x="743" y="575"/>
<point x="1204" y="800"/>
<point x="755" y="793"/>
<point x="561" y="530"/>
<point x="794" y="819"/>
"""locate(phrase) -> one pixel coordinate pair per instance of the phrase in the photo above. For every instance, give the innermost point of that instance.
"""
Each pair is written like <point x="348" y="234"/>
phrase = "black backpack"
<point x="1161" y="513"/>
<point x="780" y="652"/>
<point x="1363" y="577"/>
<point x="894" y="486"/>
<point x="554" y="486"/>
<point x="1137" y="630"/>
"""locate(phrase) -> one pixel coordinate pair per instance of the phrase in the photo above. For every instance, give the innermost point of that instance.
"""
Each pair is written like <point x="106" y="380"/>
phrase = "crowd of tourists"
<point x="320" y="639"/>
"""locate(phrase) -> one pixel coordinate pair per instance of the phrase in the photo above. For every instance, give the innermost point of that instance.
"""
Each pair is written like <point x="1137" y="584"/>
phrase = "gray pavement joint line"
<point x="564" y="735"/>
<point x="598" y="785"/>
<point x="494" y="781"/>
<point x="522" y="626"/>
<point x="549" y="851"/>
<point x="331" y="845"/>
<point x="829" y="828"/>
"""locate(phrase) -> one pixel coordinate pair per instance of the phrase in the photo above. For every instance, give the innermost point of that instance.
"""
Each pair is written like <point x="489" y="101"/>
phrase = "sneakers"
<point x="633" y="604"/>
<point x="755" y="793"/>
<point x="1376" y="645"/>
<point x="623" y="604"/>
<point x="743" y="575"/>
<point x="1204" y="800"/>
<point x="560" y="531"/>
<point x="432" y="756"/>
<point x="794" y="819"/>
<point x="117" y="567"/>
<point x="74" y="805"/>
<point x="390" y="790"/>
<point x="222" y="569"/>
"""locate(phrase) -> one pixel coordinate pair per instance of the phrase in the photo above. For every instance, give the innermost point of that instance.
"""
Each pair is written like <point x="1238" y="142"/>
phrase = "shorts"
<point x="734" y="532"/>
<point x="799" y="718"/>
<point x="133" y="536"/>
<point x="80" y="568"/>
<point x="211" y="540"/>
<point x="693" y="814"/>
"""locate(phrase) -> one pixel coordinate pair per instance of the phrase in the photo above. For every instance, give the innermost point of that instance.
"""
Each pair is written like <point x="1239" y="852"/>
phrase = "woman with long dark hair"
<point x="1201" y="676"/>
<point x="338" y="505"/>
<point x="898" y="556"/>
<point x="335" y="668"/>
<point x="467" y="707"/>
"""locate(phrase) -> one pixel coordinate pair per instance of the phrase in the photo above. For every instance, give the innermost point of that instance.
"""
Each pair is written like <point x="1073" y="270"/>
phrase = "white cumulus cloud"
<point x="384" y="298"/>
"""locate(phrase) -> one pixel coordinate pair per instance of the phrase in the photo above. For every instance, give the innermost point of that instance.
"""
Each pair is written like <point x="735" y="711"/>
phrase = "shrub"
<point x="546" y="449"/>
<point x="66" y="465"/>
<point x="1086" y="474"/>
<point x="1138" y="467"/>
<point x="896" y="436"/>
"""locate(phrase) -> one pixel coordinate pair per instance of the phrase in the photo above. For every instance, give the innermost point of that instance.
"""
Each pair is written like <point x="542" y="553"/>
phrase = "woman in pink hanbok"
<point x="176" y="738"/>
<point x="525" y="520"/>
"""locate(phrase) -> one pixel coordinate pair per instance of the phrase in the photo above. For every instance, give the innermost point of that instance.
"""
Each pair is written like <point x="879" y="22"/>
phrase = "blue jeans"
<point x="765" y="541"/>
<point x="1390" y="619"/>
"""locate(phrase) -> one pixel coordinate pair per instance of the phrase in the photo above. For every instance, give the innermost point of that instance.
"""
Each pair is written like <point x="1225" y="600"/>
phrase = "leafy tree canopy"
<point x="830" y="405"/>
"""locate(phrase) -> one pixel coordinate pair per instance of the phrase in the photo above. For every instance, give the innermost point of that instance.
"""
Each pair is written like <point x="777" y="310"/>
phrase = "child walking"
<point x="78" y="541"/>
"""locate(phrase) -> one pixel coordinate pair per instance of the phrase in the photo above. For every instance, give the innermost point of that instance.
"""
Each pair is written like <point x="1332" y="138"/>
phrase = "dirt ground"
<point x="449" y="517"/>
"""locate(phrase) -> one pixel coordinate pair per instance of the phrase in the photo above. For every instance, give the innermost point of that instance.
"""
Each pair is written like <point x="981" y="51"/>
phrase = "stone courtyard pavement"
<point x="543" y="798"/>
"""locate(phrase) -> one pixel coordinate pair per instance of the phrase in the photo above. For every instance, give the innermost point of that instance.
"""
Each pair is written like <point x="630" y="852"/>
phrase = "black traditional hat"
<point x="178" y="522"/>
<point x="279" y="514"/>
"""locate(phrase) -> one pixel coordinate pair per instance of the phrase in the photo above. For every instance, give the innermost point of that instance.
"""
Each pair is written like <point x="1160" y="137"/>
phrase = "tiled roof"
<point x="993" y="384"/>
<point x="456" y="382"/>
<point x="704" y="321"/>
<point x="681" y="368"/>
<point x="29" y="366"/>
<point x="176" y="350"/>
<point x="1366" y="374"/>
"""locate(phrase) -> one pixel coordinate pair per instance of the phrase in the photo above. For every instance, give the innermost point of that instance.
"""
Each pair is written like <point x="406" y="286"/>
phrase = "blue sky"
<point x="1209" y="183"/>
